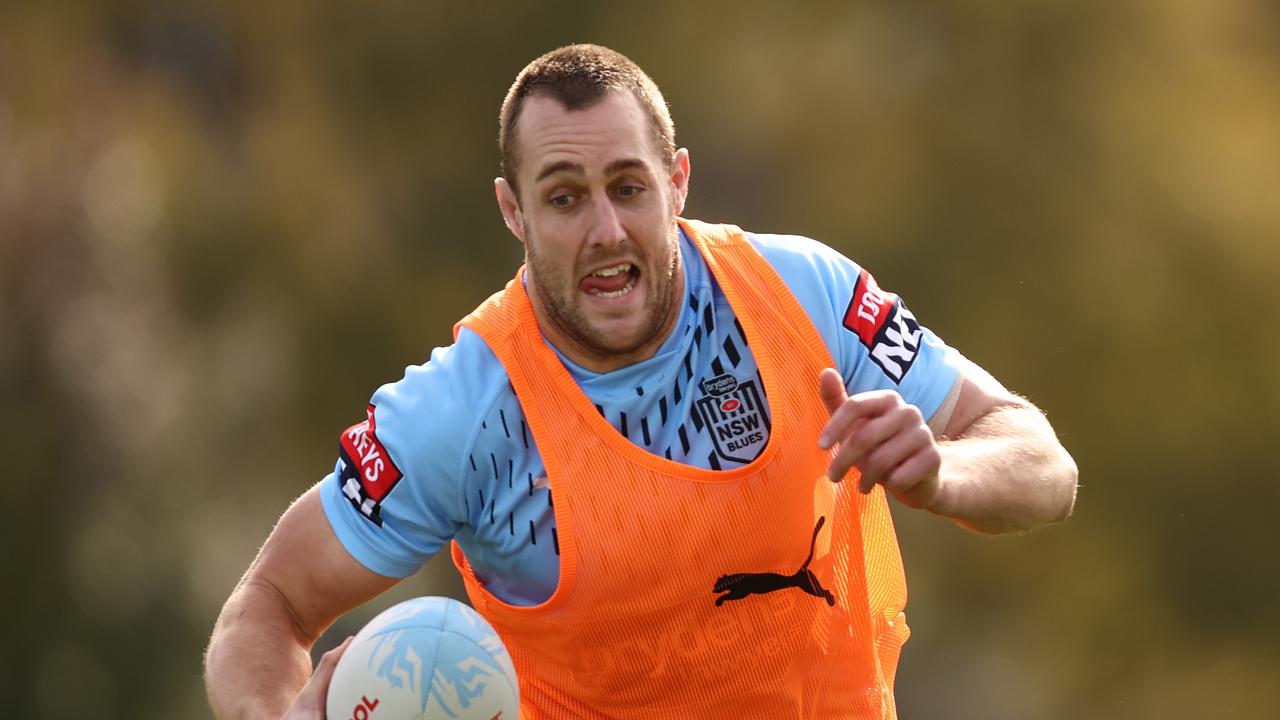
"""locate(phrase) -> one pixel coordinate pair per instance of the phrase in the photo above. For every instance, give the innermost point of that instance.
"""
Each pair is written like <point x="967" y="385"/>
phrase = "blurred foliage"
<point x="222" y="227"/>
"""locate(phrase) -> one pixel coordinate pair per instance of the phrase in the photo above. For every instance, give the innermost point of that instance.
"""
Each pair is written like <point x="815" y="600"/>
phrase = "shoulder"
<point x="397" y="492"/>
<point x="822" y="278"/>
<point x="427" y="418"/>
<point x="819" y="276"/>
<point x="802" y="259"/>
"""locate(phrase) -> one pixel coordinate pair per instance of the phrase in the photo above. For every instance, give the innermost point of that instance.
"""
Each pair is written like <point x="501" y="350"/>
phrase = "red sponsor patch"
<point x="869" y="309"/>
<point x="370" y="461"/>
<point x="730" y="405"/>
<point x="883" y="323"/>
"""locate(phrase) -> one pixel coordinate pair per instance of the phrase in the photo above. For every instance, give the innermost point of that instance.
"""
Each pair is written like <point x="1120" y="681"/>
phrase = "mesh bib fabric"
<point x="765" y="591"/>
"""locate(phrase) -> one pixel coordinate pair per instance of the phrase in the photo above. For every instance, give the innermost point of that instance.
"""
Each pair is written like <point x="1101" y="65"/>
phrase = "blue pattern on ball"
<point x="454" y="685"/>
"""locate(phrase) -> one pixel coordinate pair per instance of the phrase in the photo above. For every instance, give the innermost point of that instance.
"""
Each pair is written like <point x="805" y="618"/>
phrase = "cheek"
<point x="555" y="231"/>
<point x="553" y="258"/>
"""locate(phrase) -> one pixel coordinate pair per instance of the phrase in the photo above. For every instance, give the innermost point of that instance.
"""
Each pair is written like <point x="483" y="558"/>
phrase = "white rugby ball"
<point x="428" y="658"/>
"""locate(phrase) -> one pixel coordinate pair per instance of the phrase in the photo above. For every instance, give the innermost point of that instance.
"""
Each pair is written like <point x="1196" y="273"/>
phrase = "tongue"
<point x="595" y="283"/>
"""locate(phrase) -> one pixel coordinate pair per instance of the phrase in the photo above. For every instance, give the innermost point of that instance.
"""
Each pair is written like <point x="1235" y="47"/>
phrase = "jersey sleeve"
<point x="875" y="340"/>
<point x="394" y="497"/>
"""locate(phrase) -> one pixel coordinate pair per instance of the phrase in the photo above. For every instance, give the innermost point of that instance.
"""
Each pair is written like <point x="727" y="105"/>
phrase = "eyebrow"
<point x="612" y="168"/>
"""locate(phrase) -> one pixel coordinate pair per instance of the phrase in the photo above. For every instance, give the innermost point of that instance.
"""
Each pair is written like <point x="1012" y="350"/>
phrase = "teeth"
<point x="610" y="272"/>
<point x="616" y="293"/>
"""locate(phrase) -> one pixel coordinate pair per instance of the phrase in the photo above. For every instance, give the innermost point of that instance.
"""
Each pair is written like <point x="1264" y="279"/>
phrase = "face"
<point x="596" y="213"/>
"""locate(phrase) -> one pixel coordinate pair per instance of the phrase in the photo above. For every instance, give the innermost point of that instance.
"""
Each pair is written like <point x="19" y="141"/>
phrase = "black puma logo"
<point x="740" y="585"/>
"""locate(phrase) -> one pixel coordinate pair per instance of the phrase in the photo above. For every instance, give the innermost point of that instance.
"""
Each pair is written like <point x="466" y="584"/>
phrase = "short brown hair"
<point x="579" y="76"/>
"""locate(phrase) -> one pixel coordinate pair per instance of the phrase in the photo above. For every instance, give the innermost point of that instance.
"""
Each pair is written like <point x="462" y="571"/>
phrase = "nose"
<point x="606" y="227"/>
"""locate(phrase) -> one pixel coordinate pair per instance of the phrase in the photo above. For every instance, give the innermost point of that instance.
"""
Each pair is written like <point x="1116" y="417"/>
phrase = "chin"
<point x="621" y="336"/>
<point x="615" y="342"/>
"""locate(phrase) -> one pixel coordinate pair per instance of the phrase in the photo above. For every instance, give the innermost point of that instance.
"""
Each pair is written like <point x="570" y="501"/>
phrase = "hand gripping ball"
<point x="429" y="658"/>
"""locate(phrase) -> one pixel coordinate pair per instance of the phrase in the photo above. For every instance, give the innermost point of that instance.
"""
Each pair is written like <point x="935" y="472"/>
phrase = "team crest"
<point x="735" y="417"/>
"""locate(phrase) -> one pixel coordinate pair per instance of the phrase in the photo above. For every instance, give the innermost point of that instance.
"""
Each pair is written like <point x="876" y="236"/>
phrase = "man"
<point x="630" y="449"/>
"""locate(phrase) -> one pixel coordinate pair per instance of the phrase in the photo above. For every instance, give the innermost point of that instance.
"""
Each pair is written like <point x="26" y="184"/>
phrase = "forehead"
<point x="614" y="128"/>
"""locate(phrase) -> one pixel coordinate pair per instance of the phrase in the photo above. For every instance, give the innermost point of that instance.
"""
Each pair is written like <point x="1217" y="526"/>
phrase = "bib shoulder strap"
<point x="743" y="274"/>
<point x="498" y="317"/>
<point x="712" y="234"/>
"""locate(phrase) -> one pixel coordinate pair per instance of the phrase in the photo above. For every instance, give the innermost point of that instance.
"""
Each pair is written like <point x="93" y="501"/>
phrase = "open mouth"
<point x="614" y="281"/>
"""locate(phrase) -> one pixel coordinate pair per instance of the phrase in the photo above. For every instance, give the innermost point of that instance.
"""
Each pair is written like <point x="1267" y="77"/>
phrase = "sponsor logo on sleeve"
<point x="368" y="473"/>
<point x="885" y="325"/>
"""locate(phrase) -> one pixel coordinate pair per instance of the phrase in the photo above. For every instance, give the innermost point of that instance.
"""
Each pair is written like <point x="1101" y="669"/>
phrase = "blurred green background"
<point x="221" y="228"/>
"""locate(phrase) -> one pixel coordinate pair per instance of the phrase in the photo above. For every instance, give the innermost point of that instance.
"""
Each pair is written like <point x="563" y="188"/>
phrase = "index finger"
<point x="862" y="405"/>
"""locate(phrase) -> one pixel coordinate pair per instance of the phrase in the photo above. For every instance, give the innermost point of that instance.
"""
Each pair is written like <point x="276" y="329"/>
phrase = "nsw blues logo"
<point x="734" y="414"/>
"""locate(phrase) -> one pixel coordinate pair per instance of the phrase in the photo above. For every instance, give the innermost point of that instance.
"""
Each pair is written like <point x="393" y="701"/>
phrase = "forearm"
<point x="258" y="658"/>
<point x="1006" y="472"/>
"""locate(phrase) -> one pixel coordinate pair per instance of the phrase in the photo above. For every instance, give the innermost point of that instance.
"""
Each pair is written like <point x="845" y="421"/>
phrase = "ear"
<point x="509" y="204"/>
<point x="680" y="179"/>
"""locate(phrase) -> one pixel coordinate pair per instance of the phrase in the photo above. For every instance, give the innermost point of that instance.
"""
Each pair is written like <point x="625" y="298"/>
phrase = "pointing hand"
<point x="884" y="437"/>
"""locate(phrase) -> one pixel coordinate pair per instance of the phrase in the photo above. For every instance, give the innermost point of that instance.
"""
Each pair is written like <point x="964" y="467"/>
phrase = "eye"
<point x="563" y="200"/>
<point x="629" y="191"/>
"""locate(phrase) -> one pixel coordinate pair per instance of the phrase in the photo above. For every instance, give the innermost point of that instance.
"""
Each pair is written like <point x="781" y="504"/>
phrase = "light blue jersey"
<point x="454" y="459"/>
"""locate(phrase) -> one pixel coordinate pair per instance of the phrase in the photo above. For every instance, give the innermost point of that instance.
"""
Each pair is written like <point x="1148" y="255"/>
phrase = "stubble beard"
<point x="559" y="292"/>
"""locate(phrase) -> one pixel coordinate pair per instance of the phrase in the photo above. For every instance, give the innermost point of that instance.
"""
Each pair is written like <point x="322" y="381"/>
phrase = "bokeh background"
<point x="222" y="227"/>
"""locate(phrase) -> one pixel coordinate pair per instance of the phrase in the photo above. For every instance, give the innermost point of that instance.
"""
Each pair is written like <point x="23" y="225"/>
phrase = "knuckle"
<point x="911" y="415"/>
<point x="923" y="439"/>
<point x="878" y="461"/>
<point x="918" y="426"/>
<point x="898" y="480"/>
<point x="932" y="455"/>
<point x="907" y="474"/>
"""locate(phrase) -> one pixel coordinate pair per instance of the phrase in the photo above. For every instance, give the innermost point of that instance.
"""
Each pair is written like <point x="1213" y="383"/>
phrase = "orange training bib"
<point x="764" y="591"/>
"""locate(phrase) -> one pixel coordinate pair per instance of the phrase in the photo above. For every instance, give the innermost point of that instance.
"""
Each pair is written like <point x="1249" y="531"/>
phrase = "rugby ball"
<point x="429" y="658"/>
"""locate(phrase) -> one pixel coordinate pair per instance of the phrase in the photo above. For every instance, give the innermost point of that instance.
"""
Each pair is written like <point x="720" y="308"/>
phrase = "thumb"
<point x="328" y="662"/>
<point x="315" y="692"/>
<point x="831" y="387"/>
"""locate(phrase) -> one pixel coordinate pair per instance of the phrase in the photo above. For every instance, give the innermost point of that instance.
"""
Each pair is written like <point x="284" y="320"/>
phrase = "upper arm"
<point x="316" y="578"/>
<point x="976" y="394"/>
<point x="397" y="494"/>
